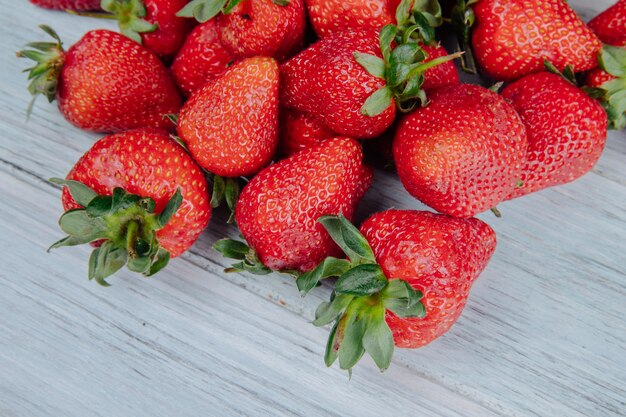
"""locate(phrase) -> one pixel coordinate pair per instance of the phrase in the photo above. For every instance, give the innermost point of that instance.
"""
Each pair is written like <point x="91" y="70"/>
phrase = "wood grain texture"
<point x="543" y="333"/>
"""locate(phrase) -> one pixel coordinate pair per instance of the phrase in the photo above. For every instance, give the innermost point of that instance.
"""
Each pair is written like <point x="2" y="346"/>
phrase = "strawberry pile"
<point x="263" y="106"/>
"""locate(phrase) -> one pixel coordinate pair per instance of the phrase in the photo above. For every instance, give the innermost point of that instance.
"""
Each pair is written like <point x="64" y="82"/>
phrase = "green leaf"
<point x="330" y="356"/>
<point x="372" y="64"/>
<point x="430" y="10"/>
<point x="423" y="27"/>
<point x="81" y="225"/>
<point x="79" y="191"/>
<point x="330" y="267"/>
<point x="218" y="191"/>
<point x="106" y="261"/>
<point x="171" y="208"/>
<point x="330" y="311"/>
<point x="366" y="279"/>
<point x="351" y="348"/>
<point x="281" y="2"/>
<point x="100" y="206"/>
<point x="339" y="228"/>
<point x="378" y="340"/>
<point x="140" y="265"/>
<point x="613" y="60"/>
<point x="230" y="6"/>
<point x="378" y="102"/>
<point x="68" y="241"/>
<point x="401" y="308"/>
<point x="387" y="36"/>
<point x="231" y="195"/>
<point x="232" y="249"/>
<point x="162" y="259"/>
<point x="202" y="10"/>
<point x="403" y="12"/>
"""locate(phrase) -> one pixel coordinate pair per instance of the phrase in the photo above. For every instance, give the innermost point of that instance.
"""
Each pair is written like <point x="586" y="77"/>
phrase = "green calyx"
<point x="612" y="59"/>
<point x="403" y="67"/>
<point x="49" y="58"/>
<point x="567" y="74"/>
<point x="247" y="257"/>
<point x="361" y="297"/>
<point x="462" y="20"/>
<point x="226" y="190"/>
<point x="130" y="15"/>
<point x="204" y="10"/>
<point x="127" y="225"/>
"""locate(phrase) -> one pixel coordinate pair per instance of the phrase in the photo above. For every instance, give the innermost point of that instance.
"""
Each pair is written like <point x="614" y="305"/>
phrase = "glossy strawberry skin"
<point x="231" y="124"/>
<point x="463" y="153"/>
<point x="299" y="131"/>
<point x="149" y="163"/>
<point x="110" y="83"/>
<point x="566" y="130"/>
<point x="610" y="25"/>
<point x="325" y="81"/>
<point x="438" y="255"/>
<point x="278" y="210"/>
<point x="330" y="16"/>
<point x="441" y="75"/>
<point x="170" y="35"/>
<point x="78" y="5"/>
<point x="263" y="28"/>
<point x="596" y="77"/>
<point x="201" y="59"/>
<point x="512" y="38"/>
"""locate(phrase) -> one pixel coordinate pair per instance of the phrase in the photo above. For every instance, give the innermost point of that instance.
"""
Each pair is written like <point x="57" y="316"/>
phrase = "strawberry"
<point x="348" y="80"/>
<point x="441" y="75"/>
<point x="202" y="58"/>
<point x="406" y="282"/>
<point x="231" y="124"/>
<point x="140" y="196"/>
<point x="151" y="22"/>
<point x="512" y="38"/>
<point x="329" y="16"/>
<point x="278" y="210"/>
<point x="78" y="5"/>
<point x="249" y="28"/>
<point x="463" y="153"/>
<point x="104" y="83"/>
<point x="608" y="84"/>
<point x="300" y="131"/>
<point x="610" y="25"/>
<point x="566" y="130"/>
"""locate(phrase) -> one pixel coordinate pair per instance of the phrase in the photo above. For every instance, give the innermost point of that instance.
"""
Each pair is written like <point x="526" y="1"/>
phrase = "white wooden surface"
<point x="543" y="334"/>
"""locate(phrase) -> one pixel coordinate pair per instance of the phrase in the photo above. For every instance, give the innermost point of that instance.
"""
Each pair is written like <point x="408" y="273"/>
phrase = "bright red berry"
<point x="78" y="5"/>
<point x="300" y="131"/>
<point x="610" y="25"/>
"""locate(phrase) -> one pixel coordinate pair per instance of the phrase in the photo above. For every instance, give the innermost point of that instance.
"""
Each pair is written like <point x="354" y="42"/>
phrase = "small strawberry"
<point x="140" y="196"/>
<point x="566" y="130"/>
<point x="406" y="282"/>
<point x="608" y="84"/>
<point x="278" y="210"/>
<point x="348" y="81"/>
<point x="441" y="75"/>
<point x="249" y="28"/>
<point x="201" y="59"/>
<point x="463" y="153"/>
<point x="300" y="131"/>
<point x="104" y="83"/>
<point x="512" y="38"/>
<point x="77" y="5"/>
<point x="151" y="22"/>
<point x="610" y="25"/>
<point x="231" y="124"/>
<point x="329" y="16"/>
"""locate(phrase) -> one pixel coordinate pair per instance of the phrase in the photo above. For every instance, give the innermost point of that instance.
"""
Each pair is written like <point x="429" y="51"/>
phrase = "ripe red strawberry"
<point x="231" y="124"/>
<point x="300" y="131"/>
<point x="249" y="28"/>
<point x="406" y="283"/>
<point x="152" y="22"/>
<point x="608" y="84"/>
<point x="278" y="210"/>
<point x="441" y="75"/>
<point x="140" y="196"/>
<point x="463" y="153"/>
<point x="566" y="130"/>
<point x="610" y="25"/>
<point x="201" y="59"/>
<point x="104" y="83"/>
<point x="512" y="38"/>
<point x="329" y="16"/>
<point x="78" y="5"/>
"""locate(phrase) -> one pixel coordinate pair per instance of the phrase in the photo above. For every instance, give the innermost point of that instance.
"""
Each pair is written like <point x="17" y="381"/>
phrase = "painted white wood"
<point x="543" y="333"/>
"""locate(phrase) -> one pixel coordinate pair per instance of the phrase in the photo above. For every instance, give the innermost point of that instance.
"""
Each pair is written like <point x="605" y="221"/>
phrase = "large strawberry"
<point x="328" y="16"/>
<point x="610" y="25"/>
<point x="512" y="38"/>
<point x="151" y="22"/>
<point x="406" y="282"/>
<point x="140" y="197"/>
<point x="105" y="82"/>
<point x="300" y="131"/>
<point x="231" y="124"/>
<point x="348" y="81"/>
<point x="201" y="59"/>
<point x="250" y="28"/>
<point x="463" y="153"/>
<point x="608" y="84"/>
<point x="78" y="5"/>
<point x="566" y="130"/>
<point x="278" y="210"/>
